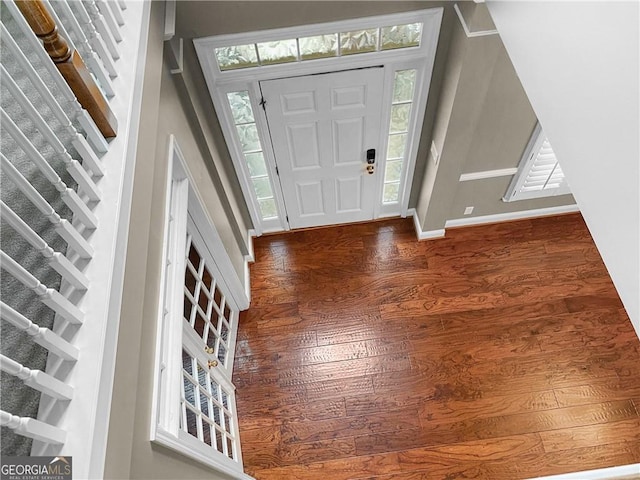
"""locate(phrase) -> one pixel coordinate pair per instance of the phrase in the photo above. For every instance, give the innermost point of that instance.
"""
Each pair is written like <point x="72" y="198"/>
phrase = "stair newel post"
<point x="71" y="66"/>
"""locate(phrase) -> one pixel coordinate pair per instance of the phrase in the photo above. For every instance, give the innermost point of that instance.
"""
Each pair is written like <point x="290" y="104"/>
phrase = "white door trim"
<point x="420" y="58"/>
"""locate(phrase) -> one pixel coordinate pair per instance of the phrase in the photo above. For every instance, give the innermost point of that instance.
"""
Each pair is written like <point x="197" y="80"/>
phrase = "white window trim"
<point x="182" y="197"/>
<point x="220" y="82"/>
<point x="527" y="162"/>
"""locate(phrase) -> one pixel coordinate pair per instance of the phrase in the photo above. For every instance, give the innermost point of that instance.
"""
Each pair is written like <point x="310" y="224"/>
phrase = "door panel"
<point x="321" y="127"/>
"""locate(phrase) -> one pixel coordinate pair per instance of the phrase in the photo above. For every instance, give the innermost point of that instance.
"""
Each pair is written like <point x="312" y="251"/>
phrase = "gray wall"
<point x="483" y="122"/>
<point x="130" y="454"/>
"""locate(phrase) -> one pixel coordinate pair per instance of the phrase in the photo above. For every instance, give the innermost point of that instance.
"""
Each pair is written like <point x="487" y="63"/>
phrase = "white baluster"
<point x="89" y="55"/>
<point x="101" y="26"/>
<point x="37" y="379"/>
<point x="123" y="4"/>
<point x="77" y="112"/>
<point x="117" y="12"/>
<point x="94" y="38"/>
<point x="41" y="335"/>
<point x="69" y="196"/>
<point x="29" y="427"/>
<point x="109" y="19"/>
<point x="63" y="227"/>
<point x="56" y="260"/>
<point x="50" y="297"/>
<point x="74" y="168"/>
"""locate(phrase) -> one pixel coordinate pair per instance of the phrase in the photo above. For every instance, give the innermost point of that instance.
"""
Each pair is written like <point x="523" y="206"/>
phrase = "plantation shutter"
<point x="539" y="173"/>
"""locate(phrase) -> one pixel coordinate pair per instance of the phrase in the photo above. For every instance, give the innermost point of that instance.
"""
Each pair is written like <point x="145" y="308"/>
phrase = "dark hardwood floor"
<point x="498" y="352"/>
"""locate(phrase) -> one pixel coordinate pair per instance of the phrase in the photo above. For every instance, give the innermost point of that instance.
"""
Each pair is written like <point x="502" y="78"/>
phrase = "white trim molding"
<point x="505" y="217"/>
<point x="467" y="31"/>
<point x="502" y="172"/>
<point x="430" y="235"/>
<point x="625" y="471"/>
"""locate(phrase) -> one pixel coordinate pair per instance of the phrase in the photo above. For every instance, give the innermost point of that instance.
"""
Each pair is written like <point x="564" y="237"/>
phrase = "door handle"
<point x="371" y="156"/>
<point x="370" y="169"/>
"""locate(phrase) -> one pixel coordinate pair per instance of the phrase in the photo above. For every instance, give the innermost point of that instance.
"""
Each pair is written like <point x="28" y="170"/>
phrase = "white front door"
<point x="322" y="127"/>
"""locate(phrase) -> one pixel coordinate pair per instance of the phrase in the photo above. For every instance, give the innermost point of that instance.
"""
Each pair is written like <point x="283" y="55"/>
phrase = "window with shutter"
<point x="539" y="173"/>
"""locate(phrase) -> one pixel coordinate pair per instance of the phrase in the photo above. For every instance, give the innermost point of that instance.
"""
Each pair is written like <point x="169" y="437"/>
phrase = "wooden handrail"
<point x="70" y="65"/>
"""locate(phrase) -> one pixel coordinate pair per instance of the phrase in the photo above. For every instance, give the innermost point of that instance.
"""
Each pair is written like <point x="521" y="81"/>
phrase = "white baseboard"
<point x="504" y="217"/>
<point x="600" y="474"/>
<point x="250" y="257"/>
<point x="425" y="235"/>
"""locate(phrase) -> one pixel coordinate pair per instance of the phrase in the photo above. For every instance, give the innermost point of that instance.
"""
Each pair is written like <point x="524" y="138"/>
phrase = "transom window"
<point x="319" y="46"/>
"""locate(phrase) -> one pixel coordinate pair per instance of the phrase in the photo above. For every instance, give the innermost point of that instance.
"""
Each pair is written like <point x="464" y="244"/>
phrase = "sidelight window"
<point x="399" y="124"/>
<point x="252" y="151"/>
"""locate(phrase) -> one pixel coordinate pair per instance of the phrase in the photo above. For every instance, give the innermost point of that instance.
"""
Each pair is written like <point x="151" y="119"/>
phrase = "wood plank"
<point x="447" y="410"/>
<point x="591" y="435"/>
<point x="441" y="433"/>
<point x="372" y="423"/>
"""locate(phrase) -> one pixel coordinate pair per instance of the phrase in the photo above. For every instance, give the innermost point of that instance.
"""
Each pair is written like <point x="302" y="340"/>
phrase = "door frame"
<point x="420" y="58"/>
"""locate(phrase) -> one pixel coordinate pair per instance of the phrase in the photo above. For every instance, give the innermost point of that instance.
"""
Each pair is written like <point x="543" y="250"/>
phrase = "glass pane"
<point x="392" y="171"/>
<point x="280" y="51"/>
<point x="198" y="326"/>
<point x="241" y="107"/>
<point x="320" y="46"/>
<point x="403" y="86"/>
<point x="187" y="309"/>
<point x="390" y="193"/>
<point x="236" y="56"/>
<point x="217" y="297"/>
<point x="189" y="391"/>
<point x="262" y="187"/>
<point x="214" y="389"/>
<point x="186" y="362"/>
<point x="249" y="139"/>
<point x="359" y="41"/>
<point x="204" y="403"/>
<point x="207" y="278"/>
<point x="206" y="433"/>
<point x="227" y="423"/>
<point x="203" y="301"/>
<point x="191" y="423"/>
<point x="211" y="339"/>
<point x="219" y="445"/>
<point x="229" y="448"/>
<point x="227" y="313"/>
<point x="401" y="36"/>
<point x="222" y="353"/>
<point x="216" y="415"/>
<point x="225" y="400"/>
<point x="194" y="257"/>
<point x="268" y="208"/>
<point x="189" y="281"/>
<point x="224" y="332"/>
<point x="400" y="118"/>
<point x="202" y="376"/>
<point x="255" y="162"/>
<point x="396" y="145"/>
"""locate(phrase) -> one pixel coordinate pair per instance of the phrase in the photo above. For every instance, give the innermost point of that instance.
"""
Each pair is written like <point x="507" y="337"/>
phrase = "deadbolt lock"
<point x="209" y="350"/>
<point x="370" y="169"/>
<point x="212" y="363"/>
